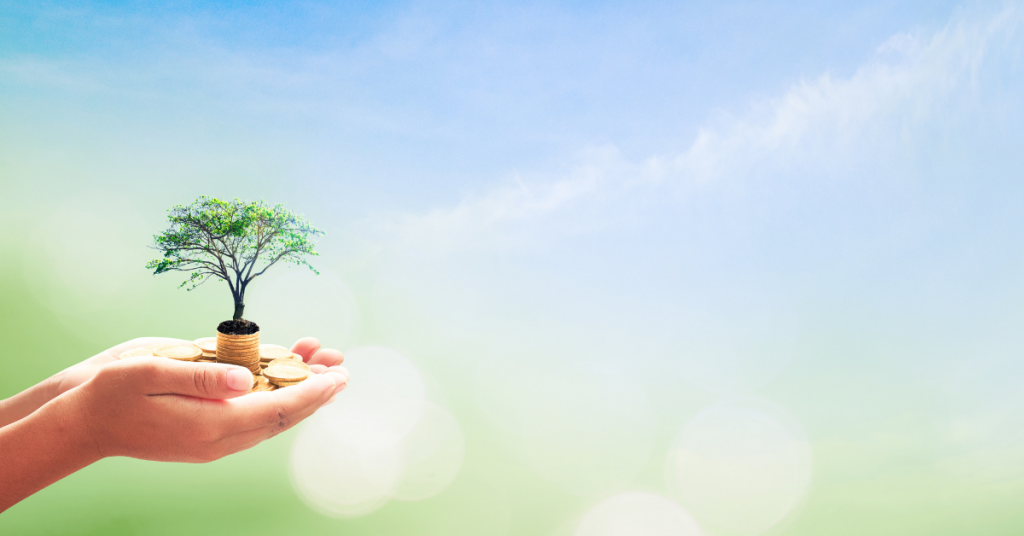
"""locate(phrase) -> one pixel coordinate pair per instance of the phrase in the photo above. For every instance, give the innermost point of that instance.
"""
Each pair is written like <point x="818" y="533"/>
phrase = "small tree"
<point x="231" y="240"/>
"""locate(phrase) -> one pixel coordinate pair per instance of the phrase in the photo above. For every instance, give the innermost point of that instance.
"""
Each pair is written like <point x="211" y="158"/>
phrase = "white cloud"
<point x="913" y="81"/>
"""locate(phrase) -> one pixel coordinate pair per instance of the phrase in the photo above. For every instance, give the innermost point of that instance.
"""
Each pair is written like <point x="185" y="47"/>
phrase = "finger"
<point x="327" y="356"/>
<point x="340" y="370"/>
<point x="317" y="369"/>
<point x="278" y="409"/>
<point x="340" y="380"/>
<point x="306" y="347"/>
<point x="143" y="342"/>
<point x="162" y="376"/>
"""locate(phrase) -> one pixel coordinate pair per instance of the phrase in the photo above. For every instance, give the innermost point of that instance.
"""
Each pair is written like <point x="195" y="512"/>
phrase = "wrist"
<point x="24" y="403"/>
<point x="44" y="447"/>
<point x="68" y="416"/>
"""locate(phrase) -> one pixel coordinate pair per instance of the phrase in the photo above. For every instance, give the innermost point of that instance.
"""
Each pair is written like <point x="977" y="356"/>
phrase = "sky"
<point x="618" y="243"/>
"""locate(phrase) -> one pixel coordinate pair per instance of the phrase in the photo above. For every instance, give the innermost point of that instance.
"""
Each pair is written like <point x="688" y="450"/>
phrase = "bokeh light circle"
<point x="380" y="440"/>
<point x="431" y="454"/>
<point x="386" y="384"/>
<point x="740" y="467"/>
<point x="344" y="464"/>
<point x="637" y="514"/>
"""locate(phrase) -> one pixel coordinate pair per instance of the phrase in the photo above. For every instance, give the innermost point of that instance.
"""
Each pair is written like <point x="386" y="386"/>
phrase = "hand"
<point x="31" y="399"/>
<point x="160" y="409"/>
<point x="151" y="408"/>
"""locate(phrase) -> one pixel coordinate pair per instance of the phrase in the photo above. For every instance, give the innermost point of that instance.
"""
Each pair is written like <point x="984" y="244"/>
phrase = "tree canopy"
<point x="235" y="241"/>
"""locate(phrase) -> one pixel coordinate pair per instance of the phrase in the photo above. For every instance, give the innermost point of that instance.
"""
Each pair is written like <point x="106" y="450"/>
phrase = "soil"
<point x="238" y="327"/>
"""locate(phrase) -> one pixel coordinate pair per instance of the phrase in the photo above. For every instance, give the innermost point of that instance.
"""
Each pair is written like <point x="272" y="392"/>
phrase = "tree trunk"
<point x="239" y="307"/>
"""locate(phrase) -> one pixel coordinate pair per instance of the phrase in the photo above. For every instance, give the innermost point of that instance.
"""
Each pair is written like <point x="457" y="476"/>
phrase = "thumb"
<point x="202" y="380"/>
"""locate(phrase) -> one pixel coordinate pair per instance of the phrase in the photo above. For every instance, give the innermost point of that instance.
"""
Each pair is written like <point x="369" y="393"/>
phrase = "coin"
<point x="180" y="352"/>
<point x="239" y="354"/>
<point x="279" y="373"/>
<point x="137" y="352"/>
<point x="222" y="340"/>
<point x="261" y="384"/>
<point x="206" y="344"/>
<point x="289" y="363"/>
<point x="270" y="354"/>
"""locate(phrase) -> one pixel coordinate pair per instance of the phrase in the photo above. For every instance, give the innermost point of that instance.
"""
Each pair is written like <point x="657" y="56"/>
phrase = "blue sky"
<point x="469" y="92"/>
<point x="813" y="203"/>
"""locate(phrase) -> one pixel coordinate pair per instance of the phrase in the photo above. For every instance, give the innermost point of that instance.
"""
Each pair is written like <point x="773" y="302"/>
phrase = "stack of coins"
<point x="241" y="350"/>
<point x="209" y="347"/>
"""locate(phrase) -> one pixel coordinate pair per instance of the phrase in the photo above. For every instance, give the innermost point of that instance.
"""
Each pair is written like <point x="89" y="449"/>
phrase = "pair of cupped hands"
<point x="160" y="409"/>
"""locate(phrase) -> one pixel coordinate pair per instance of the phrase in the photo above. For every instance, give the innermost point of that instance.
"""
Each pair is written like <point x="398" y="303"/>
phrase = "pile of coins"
<point x="272" y="366"/>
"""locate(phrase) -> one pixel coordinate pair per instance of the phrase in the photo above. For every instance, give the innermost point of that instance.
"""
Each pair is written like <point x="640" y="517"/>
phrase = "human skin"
<point x="149" y="408"/>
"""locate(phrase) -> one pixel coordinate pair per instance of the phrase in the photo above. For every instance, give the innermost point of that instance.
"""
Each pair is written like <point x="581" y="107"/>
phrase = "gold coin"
<point x="298" y="358"/>
<point x="279" y="373"/>
<point x="238" y="350"/>
<point x="225" y="340"/>
<point x="181" y="352"/>
<point x="137" y="352"/>
<point x="249" y="348"/>
<point x="206" y="344"/>
<point x="247" y="362"/>
<point x="289" y="363"/>
<point x="239" y="354"/>
<point x="238" y="338"/>
<point x="260" y="383"/>
<point x="268" y="354"/>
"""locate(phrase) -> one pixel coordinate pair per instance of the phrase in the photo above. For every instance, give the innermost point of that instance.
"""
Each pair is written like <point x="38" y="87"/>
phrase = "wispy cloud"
<point x="913" y="81"/>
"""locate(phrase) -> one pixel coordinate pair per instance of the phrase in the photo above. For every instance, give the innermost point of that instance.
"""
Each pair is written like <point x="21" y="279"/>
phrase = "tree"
<point x="232" y="240"/>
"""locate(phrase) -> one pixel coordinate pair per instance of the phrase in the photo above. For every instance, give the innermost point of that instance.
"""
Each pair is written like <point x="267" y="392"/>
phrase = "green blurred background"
<point x="598" y="269"/>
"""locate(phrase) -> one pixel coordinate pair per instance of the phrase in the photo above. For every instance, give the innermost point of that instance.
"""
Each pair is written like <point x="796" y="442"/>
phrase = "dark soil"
<point x="238" y="327"/>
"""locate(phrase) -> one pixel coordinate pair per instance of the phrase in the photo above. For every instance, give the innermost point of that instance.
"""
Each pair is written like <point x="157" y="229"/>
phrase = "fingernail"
<point x="340" y="387"/>
<point x="329" y="401"/>
<point x="239" y="379"/>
